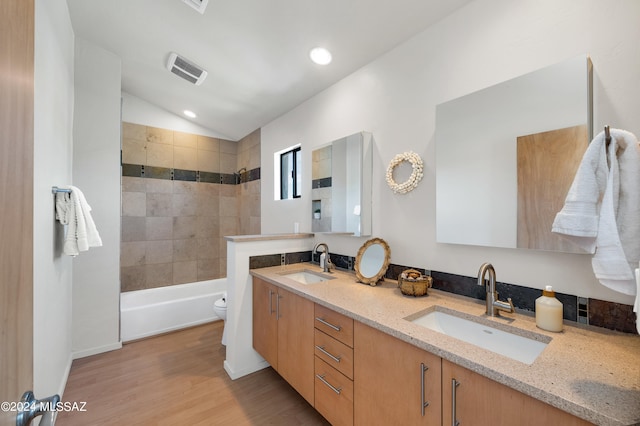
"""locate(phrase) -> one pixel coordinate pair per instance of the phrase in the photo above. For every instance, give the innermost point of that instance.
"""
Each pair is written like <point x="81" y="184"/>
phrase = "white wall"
<point x="394" y="97"/>
<point x="53" y="126"/>
<point x="139" y="111"/>
<point x="96" y="171"/>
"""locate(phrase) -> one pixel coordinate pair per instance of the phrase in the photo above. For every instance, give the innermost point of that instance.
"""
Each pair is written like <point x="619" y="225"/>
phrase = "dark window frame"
<point x="293" y="154"/>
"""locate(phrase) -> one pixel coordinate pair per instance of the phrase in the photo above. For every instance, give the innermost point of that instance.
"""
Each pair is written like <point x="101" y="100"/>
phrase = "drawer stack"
<point x="333" y="339"/>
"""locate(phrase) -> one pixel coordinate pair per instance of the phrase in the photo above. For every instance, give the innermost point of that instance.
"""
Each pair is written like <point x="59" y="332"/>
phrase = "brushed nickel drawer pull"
<point x="335" y="327"/>
<point x="324" y="351"/>
<point x="423" y="370"/>
<point x="454" y="385"/>
<point x="278" y="297"/>
<point x="333" y="388"/>
<point x="271" y="292"/>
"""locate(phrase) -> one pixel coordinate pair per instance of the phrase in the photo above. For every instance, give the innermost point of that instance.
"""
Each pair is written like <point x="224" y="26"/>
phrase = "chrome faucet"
<point x="328" y="265"/>
<point x="494" y="305"/>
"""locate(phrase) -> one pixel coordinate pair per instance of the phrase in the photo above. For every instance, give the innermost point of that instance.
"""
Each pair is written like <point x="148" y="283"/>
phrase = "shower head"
<point x="238" y="175"/>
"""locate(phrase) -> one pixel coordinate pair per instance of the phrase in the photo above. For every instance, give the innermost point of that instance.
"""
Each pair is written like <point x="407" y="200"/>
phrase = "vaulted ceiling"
<point x="256" y="52"/>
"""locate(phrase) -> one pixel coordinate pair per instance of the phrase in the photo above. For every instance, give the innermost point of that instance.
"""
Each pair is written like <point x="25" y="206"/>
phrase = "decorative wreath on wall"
<point x="416" y="174"/>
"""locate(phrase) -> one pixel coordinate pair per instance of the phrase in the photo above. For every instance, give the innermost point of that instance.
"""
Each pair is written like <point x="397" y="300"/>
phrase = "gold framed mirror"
<point x="372" y="261"/>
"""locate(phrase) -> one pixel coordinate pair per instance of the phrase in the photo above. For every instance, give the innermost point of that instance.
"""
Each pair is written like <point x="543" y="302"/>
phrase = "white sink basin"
<point x="307" y="277"/>
<point x="514" y="346"/>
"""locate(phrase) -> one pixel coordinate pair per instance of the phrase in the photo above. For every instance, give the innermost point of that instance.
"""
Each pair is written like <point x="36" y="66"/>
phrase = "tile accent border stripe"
<point x="321" y="183"/>
<point x="137" y="170"/>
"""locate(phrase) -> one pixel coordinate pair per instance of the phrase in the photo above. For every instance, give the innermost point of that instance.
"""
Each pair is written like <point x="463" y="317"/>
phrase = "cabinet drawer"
<point x="335" y="353"/>
<point x="334" y="324"/>
<point x="333" y="394"/>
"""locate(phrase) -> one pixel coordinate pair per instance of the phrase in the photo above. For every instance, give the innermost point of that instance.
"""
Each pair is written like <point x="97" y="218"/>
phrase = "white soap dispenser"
<point x="549" y="311"/>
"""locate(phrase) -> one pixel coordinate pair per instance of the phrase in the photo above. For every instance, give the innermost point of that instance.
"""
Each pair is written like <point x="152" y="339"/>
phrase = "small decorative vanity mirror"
<point x="372" y="261"/>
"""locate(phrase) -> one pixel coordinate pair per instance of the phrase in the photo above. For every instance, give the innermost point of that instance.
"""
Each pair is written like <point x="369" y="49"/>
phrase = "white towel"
<point x="602" y="208"/>
<point x="578" y="219"/>
<point x="73" y="210"/>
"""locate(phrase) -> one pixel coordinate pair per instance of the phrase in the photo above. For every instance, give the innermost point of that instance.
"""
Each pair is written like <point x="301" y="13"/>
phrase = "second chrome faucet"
<point x="325" y="262"/>
<point x="494" y="305"/>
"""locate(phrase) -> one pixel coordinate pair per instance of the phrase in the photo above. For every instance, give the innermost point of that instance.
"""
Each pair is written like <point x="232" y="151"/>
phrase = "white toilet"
<point x="220" y="308"/>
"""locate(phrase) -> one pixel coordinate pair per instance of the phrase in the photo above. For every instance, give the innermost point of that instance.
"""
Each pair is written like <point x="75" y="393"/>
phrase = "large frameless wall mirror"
<point x="341" y="186"/>
<point x="506" y="157"/>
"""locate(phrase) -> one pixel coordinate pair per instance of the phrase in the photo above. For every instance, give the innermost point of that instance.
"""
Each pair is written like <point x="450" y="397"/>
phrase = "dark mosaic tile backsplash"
<point x="321" y="183"/>
<point x="136" y="170"/>
<point x="600" y="313"/>
<point x="612" y="315"/>
<point x="264" y="261"/>
<point x="268" y="260"/>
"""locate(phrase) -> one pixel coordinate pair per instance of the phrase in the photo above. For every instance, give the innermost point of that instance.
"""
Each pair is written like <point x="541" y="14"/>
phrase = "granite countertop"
<point x="590" y="372"/>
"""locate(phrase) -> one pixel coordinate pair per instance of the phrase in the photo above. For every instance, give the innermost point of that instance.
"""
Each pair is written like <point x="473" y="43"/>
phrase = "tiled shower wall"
<point x="181" y="194"/>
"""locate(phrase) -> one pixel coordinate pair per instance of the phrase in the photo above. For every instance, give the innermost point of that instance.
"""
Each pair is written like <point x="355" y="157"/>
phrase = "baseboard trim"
<point x="98" y="350"/>
<point x="65" y="377"/>
<point x="241" y="373"/>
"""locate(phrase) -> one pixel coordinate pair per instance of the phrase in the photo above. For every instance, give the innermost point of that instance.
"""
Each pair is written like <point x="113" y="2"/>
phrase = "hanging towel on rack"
<point x="73" y="210"/>
<point x="602" y="208"/>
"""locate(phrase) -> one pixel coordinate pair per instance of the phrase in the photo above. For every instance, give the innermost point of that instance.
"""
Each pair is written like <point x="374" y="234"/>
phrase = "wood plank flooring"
<point x="179" y="379"/>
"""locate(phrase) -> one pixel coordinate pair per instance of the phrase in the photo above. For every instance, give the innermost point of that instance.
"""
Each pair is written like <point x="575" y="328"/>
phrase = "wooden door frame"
<point x="16" y="200"/>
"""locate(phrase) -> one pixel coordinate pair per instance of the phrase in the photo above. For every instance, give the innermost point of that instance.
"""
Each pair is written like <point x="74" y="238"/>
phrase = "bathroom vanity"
<point x="282" y="324"/>
<point x="367" y="362"/>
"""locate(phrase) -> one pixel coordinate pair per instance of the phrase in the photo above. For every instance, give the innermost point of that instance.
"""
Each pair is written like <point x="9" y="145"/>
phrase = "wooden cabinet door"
<point x="481" y="401"/>
<point x="265" y="322"/>
<point x="390" y="385"/>
<point x="333" y="352"/>
<point x="295" y="342"/>
<point x="333" y="394"/>
<point x="333" y="324"/>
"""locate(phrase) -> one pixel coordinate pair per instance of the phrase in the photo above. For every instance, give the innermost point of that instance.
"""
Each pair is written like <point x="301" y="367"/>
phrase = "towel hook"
<point x="607" y="135"/>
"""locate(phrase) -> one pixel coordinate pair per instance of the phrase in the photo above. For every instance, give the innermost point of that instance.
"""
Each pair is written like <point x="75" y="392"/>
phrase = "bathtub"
<point x="145" y="313"/>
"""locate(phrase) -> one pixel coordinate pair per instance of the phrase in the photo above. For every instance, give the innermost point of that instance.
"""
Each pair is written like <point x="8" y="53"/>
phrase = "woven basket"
<point x="416" y="286"/>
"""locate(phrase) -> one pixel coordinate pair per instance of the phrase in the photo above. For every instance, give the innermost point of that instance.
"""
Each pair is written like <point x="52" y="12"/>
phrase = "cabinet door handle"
<point x="330" y="355"/>
<point x="271" y="302"/>
<point x="335" y="327"/>
<point x="333" y="388"/>
<point x="278" y="297"/>
<point x="454" y="385"/>
<point x="423" y="370"/>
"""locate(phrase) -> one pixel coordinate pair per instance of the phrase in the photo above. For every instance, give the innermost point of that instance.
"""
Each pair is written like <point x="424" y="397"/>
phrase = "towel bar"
<point x="55" y="189"/>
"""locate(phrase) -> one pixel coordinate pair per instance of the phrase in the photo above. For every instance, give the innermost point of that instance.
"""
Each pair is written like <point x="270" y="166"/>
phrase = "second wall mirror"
<point x="341" y="186"/>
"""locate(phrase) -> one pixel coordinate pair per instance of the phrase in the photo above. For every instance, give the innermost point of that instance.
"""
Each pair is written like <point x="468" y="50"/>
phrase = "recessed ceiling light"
<point x="190" y="113"/>
<point x="320" y="55"/>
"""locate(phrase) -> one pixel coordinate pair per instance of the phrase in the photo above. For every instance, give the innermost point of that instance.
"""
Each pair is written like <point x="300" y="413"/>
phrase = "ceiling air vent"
<point x="186" y="69"/>
<point x="199" y="5"/>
